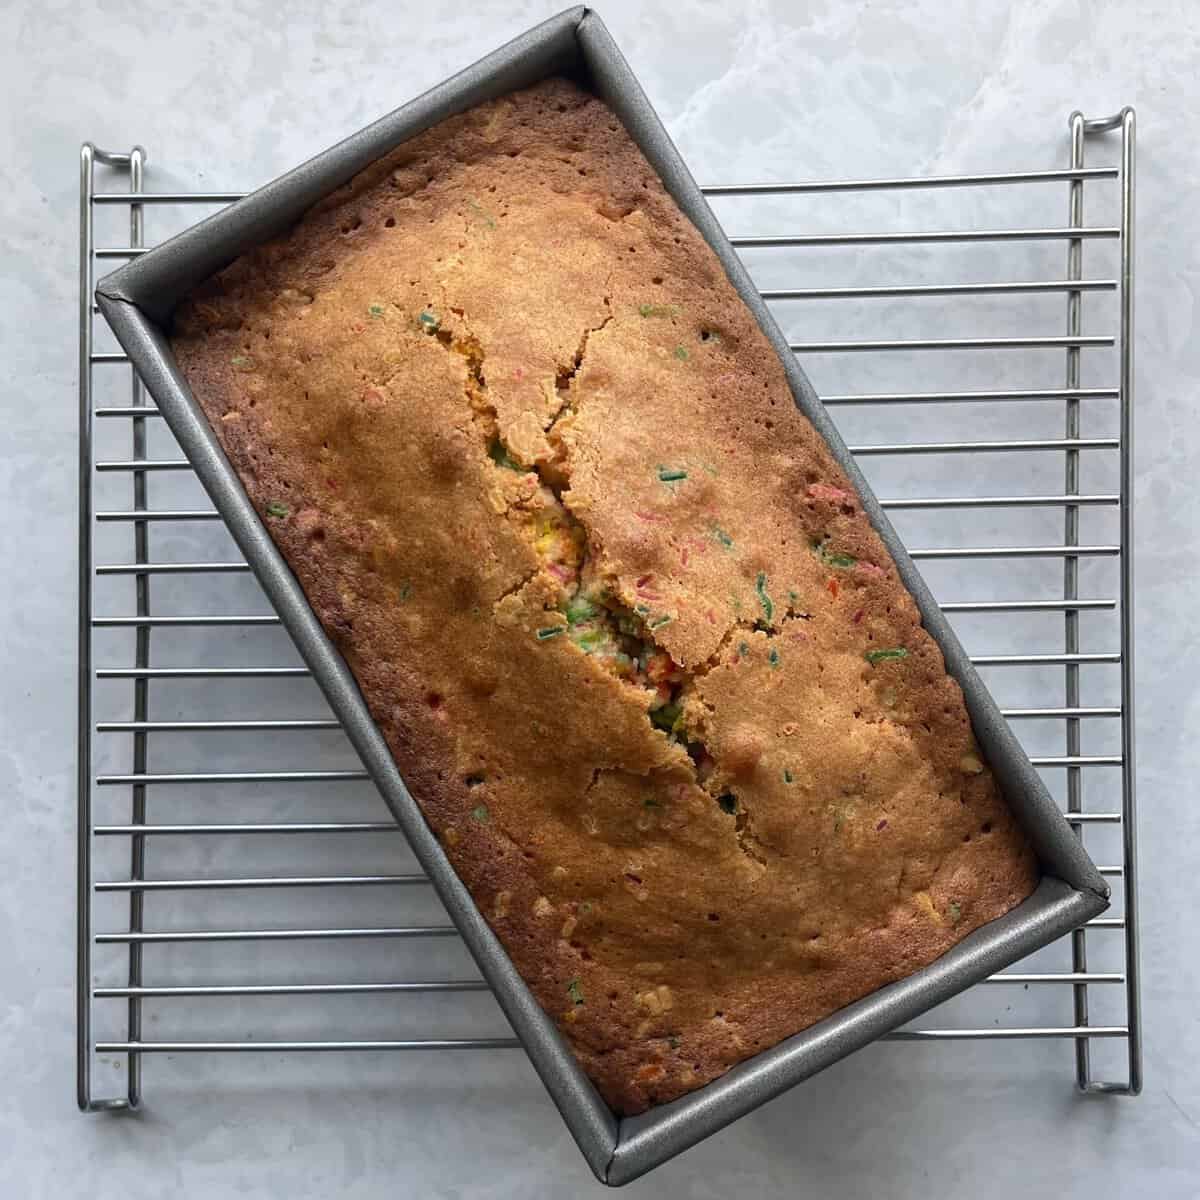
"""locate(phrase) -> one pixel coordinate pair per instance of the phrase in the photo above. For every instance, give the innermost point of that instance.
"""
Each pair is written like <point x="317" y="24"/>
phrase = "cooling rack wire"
<point x="234" y="865"/>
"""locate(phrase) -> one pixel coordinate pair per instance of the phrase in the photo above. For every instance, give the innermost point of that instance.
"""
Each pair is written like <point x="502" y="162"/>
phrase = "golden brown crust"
<point x="514" y="288"/>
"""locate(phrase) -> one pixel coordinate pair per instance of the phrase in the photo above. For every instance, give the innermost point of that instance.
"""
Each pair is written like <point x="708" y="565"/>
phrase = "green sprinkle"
<point x="575" y="991"/>
<point x="955" y="910"/>
<point x="760" y="586"/>
<point x="793" y="598"/>
<point x="241" y="362"/>
<point x="665" y="717"/>
<point x="481" y="814"/>
<point x="580" y="609"/>
<point x="788" y="777"/>
<point x="681" y="353"/>
<point x="482" y="212"/>
<point x="722" y="537"/>
<point x="658" y="310"/>
<point x="728" y="803"/>
<point x="592" y="640"/>
<point x="673" y="1042"/>
<point x="837" y="824"/>
<point x="551" y="631"/>
<point x="773" y="658"/>
<point x="878" y="656"/>
<point x="429" y="321"/>
<point x="743" y="648"/>
<point x="376" y="310"/>
<point x="498" y="453"/>
<point x="659" y="622"/>
<point x="651" y="802"/>
<point x="275" y="509"/>
<point x="643" y="609"/>
<point x="832" y="558"/>
<point x="671" y="474"/>
<point x="405" y="591"/>
<point x="586" y="906"/>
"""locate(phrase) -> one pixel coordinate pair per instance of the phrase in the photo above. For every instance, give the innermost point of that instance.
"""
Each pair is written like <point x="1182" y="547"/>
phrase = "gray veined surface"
<point x="223" y="98"/>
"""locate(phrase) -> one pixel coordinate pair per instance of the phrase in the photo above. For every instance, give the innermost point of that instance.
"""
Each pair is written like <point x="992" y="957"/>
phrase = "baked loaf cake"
<point x="640" y="656"/>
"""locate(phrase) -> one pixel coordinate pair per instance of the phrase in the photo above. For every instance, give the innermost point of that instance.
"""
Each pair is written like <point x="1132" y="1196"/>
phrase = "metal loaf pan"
<point x="138" y="301"/>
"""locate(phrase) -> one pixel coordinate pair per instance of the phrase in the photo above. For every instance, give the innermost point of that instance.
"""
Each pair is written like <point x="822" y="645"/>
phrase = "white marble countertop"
<point x="228" y="95"/>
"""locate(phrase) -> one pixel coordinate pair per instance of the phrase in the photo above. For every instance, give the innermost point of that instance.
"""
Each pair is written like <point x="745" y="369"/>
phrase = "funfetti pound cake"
<point x="641" y="658"/>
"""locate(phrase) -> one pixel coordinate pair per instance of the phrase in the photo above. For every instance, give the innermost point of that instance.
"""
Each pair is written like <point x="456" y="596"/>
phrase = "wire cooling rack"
<point x="235" y="866"/>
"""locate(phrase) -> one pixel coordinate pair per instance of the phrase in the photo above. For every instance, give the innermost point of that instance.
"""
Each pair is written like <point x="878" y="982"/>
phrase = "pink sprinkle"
<point x="642" y="580"/>
<point x="712" y="617"/>
<point x="519" y="373"/>
<point x="858" y="616"/>
<point x="560" y="572"/>
<point x="868" y="568"/>
<point x="822" y="491"/>
<point x="683" y="556"/>
<point x="882" y="825"/>
<point x="653" y="518"/>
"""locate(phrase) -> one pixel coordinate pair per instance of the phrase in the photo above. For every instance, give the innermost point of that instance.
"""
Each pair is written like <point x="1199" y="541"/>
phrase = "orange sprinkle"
<point x="833" y="587"/>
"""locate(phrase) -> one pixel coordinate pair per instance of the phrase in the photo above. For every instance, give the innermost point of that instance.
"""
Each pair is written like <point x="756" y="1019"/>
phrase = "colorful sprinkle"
<point x="681" y="353"/>
<point x="580" y="609"/>
<point x="722" y="537"/>
<point x="481" y="814"/>
<point x="241" y="362"/>
<point x="878" y="656"/>
<point x="823" y="491"/>
<point x="498" y="453"/>
<point x="955" y="910"/>
<point x="482" y="213"/>
<point x="658" y="310"/>
<point x="773" y="658"/>
<point x="575" y="991"/>
<point x="275" y="509"/>
<point x="788" y="777"/>
<point x="376" y="310"/>
<point x="551" y="631"/>
<point x="405" y="591"/>
<point x="659" y="622"/>
<point x="666" y="717"/>
<point x="671" y="474"/>
<point x="429" y="321"/>
<point x="760" y="586"/>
